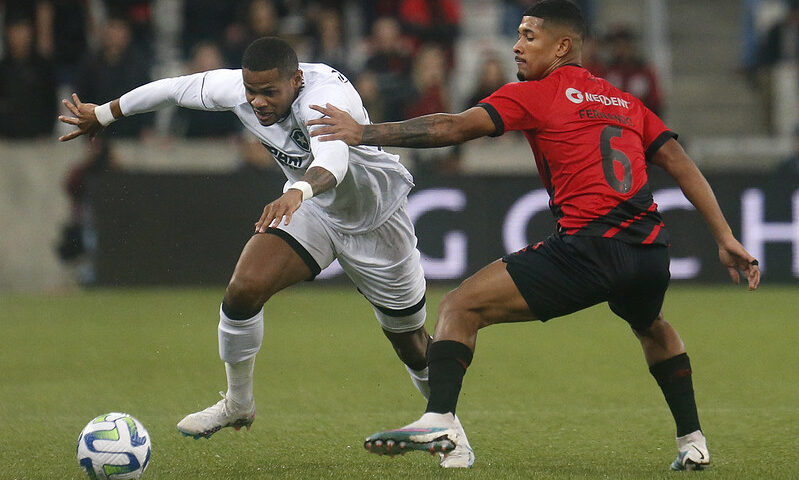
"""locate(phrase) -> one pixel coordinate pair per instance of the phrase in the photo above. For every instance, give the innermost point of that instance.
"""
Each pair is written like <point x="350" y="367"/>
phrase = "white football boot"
<point x="463" y="455"/>
<point x="224" y="413"/>
<point x="433" y="433"/>
<point x="693" y="453"/>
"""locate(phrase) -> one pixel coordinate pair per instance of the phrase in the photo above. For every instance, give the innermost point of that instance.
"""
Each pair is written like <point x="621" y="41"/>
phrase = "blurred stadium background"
<point x="168" y="198"/>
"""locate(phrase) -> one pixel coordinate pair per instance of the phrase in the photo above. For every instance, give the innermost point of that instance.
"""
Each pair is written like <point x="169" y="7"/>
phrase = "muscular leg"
<point x="660" y="341"/>
<point x="267" y="265"/>
<point x="669" y="364"/>
<point x="489" y="296"/>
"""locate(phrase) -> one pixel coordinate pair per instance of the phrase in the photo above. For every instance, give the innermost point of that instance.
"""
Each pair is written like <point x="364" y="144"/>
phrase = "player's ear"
<point x="296" y="79"/>
<point x="565" y="45"/>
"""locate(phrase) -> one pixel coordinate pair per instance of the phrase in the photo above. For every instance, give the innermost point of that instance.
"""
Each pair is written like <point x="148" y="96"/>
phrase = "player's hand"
<point x="283" y="207"/>
<point x="84" y="118"/>
<point x="735" y="257"/>
<point x="338" y="125"/>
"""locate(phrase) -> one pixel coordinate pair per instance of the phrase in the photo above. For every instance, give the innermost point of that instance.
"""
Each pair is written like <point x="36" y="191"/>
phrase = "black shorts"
<point x="567" y="273"/>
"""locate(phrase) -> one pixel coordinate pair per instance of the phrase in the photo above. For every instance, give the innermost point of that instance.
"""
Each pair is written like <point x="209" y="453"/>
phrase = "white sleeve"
<point x="213" y="90"/>
<point x="333" y="156"/>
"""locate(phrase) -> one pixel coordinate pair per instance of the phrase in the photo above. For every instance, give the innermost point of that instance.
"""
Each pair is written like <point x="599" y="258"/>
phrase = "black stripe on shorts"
<point x="297" y="247"/>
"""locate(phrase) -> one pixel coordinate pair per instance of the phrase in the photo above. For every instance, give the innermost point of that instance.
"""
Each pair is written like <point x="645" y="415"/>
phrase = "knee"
<point x="655" y="329"/>
<point x="244" y="297"/>
<point x="458" y="309"/>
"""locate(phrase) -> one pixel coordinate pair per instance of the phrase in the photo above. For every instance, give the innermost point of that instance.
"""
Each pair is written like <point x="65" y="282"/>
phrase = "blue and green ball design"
<point x="114" y="446"/>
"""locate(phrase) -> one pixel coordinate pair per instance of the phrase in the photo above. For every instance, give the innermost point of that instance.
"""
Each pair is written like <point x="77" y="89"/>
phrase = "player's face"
<point x="535" y="50"/>
<point x="270" y="95"/>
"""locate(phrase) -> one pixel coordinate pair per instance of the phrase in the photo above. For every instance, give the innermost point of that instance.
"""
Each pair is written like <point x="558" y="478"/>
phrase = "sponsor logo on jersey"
<point x="282" y="157"/>
<point x="300" y="139"/>
<point x="576" y="96"/>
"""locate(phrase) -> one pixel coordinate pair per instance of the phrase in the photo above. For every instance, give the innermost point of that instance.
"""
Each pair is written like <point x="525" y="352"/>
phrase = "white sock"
<point x="239" y="381"/>
<point x="240" y="340"/>
<point x="420" y="381"/>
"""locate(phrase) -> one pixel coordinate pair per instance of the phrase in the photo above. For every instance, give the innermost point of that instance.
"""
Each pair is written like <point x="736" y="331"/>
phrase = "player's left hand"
<point x="84" y="119"/>
<point x="338" y="125"/>
<point x="735" y="257"/>
<point x="275" y="212"/>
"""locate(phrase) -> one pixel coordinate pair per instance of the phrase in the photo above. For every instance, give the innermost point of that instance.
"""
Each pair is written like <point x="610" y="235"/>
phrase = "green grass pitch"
<point x="563" y="400"/>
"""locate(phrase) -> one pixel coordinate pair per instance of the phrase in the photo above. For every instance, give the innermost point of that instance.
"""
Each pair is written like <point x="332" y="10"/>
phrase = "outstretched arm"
<point x="436" y="130"/>
<point x="672" y="158"/>
<point x="213" y="90"/>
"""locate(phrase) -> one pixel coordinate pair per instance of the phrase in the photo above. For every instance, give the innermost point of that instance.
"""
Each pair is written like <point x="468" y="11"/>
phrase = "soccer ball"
<point x="114" y="446"/>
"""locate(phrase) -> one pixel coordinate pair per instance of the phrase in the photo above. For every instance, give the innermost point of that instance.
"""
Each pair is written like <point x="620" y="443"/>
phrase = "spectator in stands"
<point x="329" y="43"/>
<point x="429" y="83"/>
<point x="367" y="83"/>
<point x="790" y="166"/>
<point x="78" y="243"/>
<point x="201" y="124"/>
<point x="593" y="60"/>
<point x="431" y="22"/>
<point x="139" y="16"/>
<point x="37" y="12"/>
<point x="260" y="18"/>
<point x="68" y="21"/>
<point x="374" y="10"/>
<point x="28" y="99"/>
<point x="115" y="69"/>
<point x="490" y="77"/>
<point x="390" y="62"/>
<point x="629" y="72"/>
<point x="207" y="21"/>
<point x="774" y="78"/>
<point x="431" y="96"/>
<point x="781" y="42"/>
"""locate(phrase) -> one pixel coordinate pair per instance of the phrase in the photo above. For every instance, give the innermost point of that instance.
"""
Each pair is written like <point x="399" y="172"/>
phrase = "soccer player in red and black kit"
<point x="592" y="143"/>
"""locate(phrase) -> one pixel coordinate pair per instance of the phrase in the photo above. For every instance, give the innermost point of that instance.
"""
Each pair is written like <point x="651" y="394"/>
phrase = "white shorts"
<point x="384" y="263"/>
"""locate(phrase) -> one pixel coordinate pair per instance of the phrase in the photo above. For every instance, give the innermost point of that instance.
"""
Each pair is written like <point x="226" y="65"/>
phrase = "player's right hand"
<point x="735" y="257"/>
<point x="84" y="118"/>
<point x="336" y="125"/>
<point x="283" y="207"/>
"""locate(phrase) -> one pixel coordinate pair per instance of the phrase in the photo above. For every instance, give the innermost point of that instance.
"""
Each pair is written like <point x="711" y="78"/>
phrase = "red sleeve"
<point x="520" y="106"/>
<point x="655" y="133"/>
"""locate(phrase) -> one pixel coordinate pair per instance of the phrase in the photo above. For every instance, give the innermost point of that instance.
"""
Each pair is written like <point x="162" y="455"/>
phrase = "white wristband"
<point x="104" y="115"/>
<point x="305" y="188"/>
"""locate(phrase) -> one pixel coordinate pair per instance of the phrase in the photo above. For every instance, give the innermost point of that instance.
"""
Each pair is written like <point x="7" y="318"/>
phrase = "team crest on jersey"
<point x="300" y="139"/>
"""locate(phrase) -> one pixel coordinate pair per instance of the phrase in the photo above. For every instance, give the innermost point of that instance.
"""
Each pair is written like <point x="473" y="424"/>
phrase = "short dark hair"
<point x="267" y="53"/>
<point x="562" y="12"/>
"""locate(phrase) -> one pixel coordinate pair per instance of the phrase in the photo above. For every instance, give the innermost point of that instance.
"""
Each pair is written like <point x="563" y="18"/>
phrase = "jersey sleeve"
<point x="214" y="90"/>
<point x="655" y="133"/>
<point x="518" y="106"/>
<point x="333" y="156"/>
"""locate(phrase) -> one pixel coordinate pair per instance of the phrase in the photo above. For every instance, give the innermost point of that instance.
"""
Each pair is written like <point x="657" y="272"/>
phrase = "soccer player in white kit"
<point x="339" y="202"/>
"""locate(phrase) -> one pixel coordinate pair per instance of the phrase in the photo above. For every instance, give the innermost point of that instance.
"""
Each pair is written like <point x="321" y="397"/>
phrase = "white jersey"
<point x="371" y="183"/>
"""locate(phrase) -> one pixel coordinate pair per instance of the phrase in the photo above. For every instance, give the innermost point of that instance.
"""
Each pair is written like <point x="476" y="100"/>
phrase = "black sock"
<point x="674" y="377"/>
<point x="448" y="361"/>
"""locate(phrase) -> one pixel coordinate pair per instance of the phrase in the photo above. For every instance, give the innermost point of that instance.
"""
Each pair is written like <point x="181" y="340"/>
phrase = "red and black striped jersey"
<point x="591" y="143"/>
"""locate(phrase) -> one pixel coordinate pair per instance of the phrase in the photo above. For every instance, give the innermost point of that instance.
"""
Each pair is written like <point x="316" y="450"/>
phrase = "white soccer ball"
<point x="114" y="446"/>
